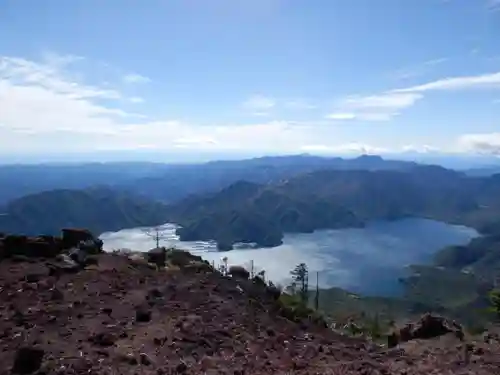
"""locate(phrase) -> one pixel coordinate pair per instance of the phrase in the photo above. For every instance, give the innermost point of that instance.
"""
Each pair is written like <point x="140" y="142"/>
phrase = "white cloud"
<point x="259" y="103"/>
<point x="341" y="116"/>
<point x="135" y="78"/>
<point x="136" y="99"/>
<point x="488" y="143"/>
<point x="421" y="149"/>
<point x="43" y="109"/>
<point x="23" y="72"/>
<point x="417" y="69"/>
<point x="386" y="101"/>
<point x="382" y="107"/>
<point x="456" y="83"/>
<point x="348" y="148"/>
<point x="60" y="61"/>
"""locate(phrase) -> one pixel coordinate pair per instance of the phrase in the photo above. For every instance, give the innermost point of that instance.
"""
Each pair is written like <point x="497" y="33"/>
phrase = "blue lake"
<point x="365" y="260"/>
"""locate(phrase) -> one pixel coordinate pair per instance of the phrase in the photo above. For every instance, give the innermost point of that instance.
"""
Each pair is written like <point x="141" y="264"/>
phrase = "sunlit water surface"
<point x="366" y="260"/>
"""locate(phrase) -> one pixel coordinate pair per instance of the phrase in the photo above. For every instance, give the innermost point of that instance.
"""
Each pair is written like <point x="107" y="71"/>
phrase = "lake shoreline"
<point x="362" y="260"/>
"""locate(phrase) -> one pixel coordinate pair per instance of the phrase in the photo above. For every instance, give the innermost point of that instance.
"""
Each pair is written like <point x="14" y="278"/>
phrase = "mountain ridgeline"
<point x="110" y="196"/>
<point x="97" y="209"/>
<point x="255" y="200"/>
<point x="249" y="212"/>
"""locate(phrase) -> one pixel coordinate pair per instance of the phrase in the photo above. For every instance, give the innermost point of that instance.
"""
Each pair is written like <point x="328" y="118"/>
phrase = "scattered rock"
<point x="239" y="272"/>
<point x="27" y="360"/>
<point x="181" y="368"/>
<point x="145" y="359"/>
<point x="128" y="358"/>
<point x="103" y="339"/>
<point x="142" y="315"/>
<point x="427" y="327"/>
<point x="158" y="256"/>
<point x="107" y="310"/>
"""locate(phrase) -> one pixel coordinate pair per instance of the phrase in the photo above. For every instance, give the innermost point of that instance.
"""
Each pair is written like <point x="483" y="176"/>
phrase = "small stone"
<point x="103" y="339"/>
<point x="143" y="315"/>
<point x="181" y="368"/>
<point x="56" y="295"/>
<point x="207" y="362"/>
<point x="27" y="360"/>
<point x="145" y="360"/>
<point x="107" y="310"/>
<point x="129" y="358"/>
<point x="32" y="278"/>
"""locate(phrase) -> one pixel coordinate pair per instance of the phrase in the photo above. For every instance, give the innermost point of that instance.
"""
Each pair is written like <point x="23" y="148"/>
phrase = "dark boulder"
<point x="27" y="360"/>
<point x="39" y="248"/>
<point x="239" y="272"/>
<point x="430" y="326"/>
<point x="427" y="327"/>
<point x="158" y="256"/>
<point x="15" y="245"/>
<point x="142" y="314"/>
<point x="71" y="237"/>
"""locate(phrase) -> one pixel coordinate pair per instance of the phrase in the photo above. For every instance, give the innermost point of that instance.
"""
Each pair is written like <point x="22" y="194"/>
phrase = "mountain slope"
<point x="98" y="209"/>
<point x="120" y="316"/>
<point x="336" y="199"/>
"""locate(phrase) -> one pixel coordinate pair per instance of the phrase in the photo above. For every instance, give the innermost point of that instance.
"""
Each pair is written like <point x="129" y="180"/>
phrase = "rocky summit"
<point x="122" y="314"/>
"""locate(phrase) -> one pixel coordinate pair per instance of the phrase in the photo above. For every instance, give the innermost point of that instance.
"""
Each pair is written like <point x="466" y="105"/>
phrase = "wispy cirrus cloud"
<point x="136" y="99"/>
<point x="259" y="103"/>
<point x="456" y="83"/>
<point x="387" y="105"/>
<point x="382" y="107"/>
<point x="418" y="70"/>
<point x="135" y="78"/>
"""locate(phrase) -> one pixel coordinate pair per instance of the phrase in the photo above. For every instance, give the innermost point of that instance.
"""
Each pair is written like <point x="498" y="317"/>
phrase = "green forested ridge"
<point x="97" y="209"/>
<point x="251" y="212"/>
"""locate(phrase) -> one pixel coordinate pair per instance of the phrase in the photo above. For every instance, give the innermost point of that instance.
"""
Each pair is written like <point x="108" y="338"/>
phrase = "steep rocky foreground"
<point x="123" y="317"/>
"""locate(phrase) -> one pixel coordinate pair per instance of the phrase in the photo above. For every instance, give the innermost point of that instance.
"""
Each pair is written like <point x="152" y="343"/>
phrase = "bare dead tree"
<point x="157" y="234"/>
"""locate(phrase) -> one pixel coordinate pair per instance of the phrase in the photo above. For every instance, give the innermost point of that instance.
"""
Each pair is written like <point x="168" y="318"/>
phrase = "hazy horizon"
<point x="448" y="160"/>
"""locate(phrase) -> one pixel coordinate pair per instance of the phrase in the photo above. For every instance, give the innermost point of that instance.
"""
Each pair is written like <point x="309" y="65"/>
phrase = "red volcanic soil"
<point x="123" y="317"/>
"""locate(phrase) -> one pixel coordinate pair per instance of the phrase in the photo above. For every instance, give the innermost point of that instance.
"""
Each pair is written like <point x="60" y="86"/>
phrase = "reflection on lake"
<point x="366" y="260"/>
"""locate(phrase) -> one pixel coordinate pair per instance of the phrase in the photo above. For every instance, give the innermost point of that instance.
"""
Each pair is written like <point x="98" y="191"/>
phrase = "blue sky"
<point x="192" y="76"/>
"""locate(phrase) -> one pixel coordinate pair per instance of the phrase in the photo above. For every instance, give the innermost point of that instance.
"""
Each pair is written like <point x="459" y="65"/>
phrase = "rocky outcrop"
<point x="75" y="242"/>
<point x="238" y="272"/>
<point x="427" y="327"/>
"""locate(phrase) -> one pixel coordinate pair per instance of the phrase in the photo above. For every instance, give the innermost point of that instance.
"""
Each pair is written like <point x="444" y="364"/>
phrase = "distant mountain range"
<point x="249" y="212"/>
<point x="17" y="181"/>
<point x="253" y="200"/>
<point x="169" y="182"/>
<point x="180" y="181"/>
